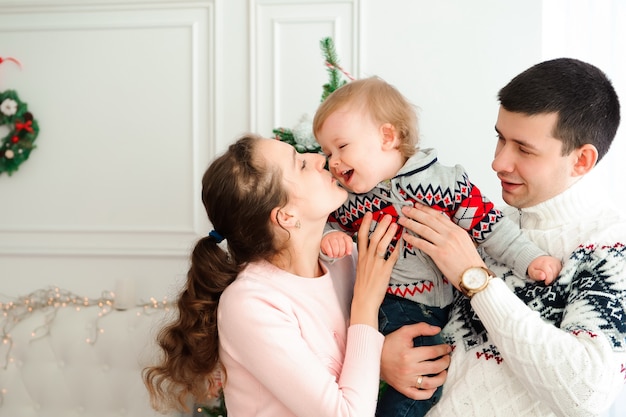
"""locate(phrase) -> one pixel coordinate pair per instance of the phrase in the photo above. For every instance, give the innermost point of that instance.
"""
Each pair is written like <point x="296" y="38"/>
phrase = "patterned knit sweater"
<point x="520" y="349"/>
<point x="423" y="179"/>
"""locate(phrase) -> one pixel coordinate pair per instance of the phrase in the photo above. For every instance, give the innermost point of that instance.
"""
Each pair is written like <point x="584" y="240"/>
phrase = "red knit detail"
<point x="485" y="354"/>
<point x="475" y="204"/>
<point x="411" y="290"/>
<point x="587" y="332"/>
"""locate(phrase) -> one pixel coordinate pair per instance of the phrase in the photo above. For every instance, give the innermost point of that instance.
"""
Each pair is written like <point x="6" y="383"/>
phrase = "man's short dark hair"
<point x="582" y="95"/>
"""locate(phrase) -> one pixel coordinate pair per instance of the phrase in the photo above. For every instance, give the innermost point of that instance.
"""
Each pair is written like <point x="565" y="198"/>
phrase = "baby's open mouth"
<point x="346" y="175"/>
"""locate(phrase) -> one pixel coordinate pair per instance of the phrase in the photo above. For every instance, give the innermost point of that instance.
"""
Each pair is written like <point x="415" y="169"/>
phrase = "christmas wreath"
<point x="16" y="147"/>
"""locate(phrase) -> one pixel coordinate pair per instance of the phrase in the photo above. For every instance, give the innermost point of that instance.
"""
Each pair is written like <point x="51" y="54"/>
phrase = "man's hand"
<point x="402" y="363"/>
<point x="447" y="244"/>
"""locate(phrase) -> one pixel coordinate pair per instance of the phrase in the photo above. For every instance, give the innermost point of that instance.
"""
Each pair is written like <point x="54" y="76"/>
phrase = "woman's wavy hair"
<point x="239" y="191"/>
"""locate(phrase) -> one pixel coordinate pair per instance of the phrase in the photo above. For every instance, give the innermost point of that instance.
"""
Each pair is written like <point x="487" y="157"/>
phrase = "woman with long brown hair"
<point x="292" y="334"/>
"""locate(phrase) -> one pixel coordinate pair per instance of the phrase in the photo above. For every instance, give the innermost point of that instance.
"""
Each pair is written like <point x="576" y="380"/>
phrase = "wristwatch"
<point x="474" y="280"/>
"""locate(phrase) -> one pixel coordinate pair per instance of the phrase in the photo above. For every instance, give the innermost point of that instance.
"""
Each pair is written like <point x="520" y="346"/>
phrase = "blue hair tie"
<point x="216" y="236"/>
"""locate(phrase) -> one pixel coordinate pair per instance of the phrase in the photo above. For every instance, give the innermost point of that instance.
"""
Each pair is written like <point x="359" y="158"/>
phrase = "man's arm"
<point x="576" y="366"/>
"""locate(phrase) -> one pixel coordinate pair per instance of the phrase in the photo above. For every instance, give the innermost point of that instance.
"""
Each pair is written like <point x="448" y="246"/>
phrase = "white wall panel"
<point x="287" y="64"/>
<point x="124" y="102"/>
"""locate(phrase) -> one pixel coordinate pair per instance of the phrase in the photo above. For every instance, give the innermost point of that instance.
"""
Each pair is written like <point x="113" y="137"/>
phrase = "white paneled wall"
<point x="124" y="95"/>
<point x="286" y="80"/>
<point x="135" y="98"/>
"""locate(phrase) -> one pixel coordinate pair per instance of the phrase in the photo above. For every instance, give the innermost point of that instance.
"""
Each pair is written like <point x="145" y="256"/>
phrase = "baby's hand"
<point x="336" y="244"/>
<point x="544" y="268"/>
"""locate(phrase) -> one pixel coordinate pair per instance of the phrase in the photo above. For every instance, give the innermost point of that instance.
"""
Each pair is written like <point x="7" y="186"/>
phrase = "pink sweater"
<point x="287" y="347"/>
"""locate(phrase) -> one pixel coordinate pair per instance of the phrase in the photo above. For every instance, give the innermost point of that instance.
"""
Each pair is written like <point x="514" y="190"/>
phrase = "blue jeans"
<point x="394" y="313"/>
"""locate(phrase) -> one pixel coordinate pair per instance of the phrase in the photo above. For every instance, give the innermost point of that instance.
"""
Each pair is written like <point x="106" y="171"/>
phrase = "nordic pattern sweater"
<point x="423" y="179"/>
<point x="520" y="349"/>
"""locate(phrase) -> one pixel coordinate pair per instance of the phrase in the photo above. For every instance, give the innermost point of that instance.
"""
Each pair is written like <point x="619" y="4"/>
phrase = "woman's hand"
<point x="449" y="246"/>
<point x="373" y="270"/>
<point x="402" y="364"/>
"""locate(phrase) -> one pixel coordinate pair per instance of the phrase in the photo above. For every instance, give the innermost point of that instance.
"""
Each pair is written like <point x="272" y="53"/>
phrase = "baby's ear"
<point x="389" y="136"/>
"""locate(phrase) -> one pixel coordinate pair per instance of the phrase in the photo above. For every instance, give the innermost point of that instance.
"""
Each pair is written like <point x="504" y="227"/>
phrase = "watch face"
<point x="474" y="278"/>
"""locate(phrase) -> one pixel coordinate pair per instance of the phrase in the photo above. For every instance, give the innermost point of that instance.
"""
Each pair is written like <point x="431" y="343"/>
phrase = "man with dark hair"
<point x="518" y="348"/>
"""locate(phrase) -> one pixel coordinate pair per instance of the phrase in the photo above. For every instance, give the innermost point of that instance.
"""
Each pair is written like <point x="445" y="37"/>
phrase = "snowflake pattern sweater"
<point x="520" y="349"/>
<point x="423" y="179"/>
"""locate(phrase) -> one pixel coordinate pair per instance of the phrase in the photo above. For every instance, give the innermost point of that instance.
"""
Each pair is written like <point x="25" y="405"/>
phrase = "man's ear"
<point x="586" y="158"/>
<point x="389" y="136"/>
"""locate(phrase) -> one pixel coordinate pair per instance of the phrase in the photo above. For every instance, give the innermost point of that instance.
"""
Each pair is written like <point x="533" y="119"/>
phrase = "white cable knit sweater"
<point x="522" y="349"/>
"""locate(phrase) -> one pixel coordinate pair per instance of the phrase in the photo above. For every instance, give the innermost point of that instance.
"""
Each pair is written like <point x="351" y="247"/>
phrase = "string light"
<point x="49" y="301"/>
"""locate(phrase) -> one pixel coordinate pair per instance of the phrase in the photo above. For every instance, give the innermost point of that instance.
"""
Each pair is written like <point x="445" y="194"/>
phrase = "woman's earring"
<point x="298" y="224"/>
